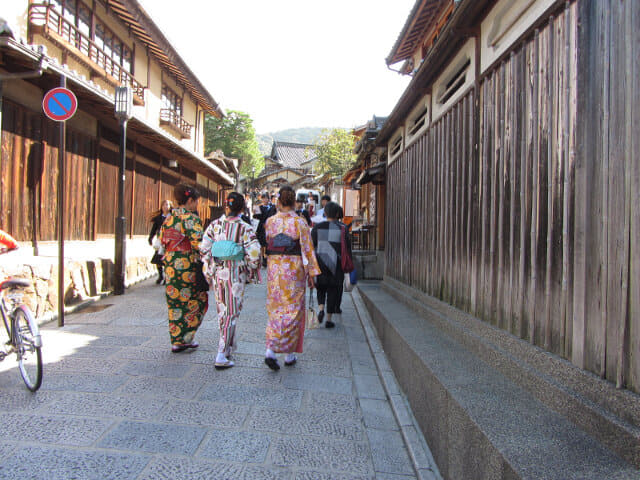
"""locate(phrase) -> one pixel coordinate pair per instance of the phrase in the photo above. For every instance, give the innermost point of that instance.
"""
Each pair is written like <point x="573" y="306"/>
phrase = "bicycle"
<point x="23" y="332"/>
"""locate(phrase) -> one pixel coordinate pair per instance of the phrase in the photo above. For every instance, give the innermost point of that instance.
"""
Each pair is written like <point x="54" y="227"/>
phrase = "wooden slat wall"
<point x="538" y="231"/>
<point x="29" y="182"/>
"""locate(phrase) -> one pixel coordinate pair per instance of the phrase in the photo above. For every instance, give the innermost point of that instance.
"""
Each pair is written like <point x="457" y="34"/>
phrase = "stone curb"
<point x="419" y="453"/>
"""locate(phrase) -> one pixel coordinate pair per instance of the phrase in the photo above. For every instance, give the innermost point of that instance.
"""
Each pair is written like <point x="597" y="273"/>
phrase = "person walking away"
<point x="181" y="236"/>
<point x="320" y="216"/>
<point x="157" y="218"/>
<point x="300" y="210"/>
<point x="265" y="210"/>
<point x="327" y="241"/>
<point x="228" y="275"/>
<point x="291" y="264"/>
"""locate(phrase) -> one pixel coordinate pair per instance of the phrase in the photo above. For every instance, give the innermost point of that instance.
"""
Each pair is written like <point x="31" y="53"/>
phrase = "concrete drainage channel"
<point x="419" y="453"/>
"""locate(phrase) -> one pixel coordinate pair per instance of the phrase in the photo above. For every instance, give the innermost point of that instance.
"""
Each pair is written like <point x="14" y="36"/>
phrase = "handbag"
<point x="348" y="281"/>
<point x="227" y="250"/>
<point x="345" y="259"/>
<point x="202" y="285"/>
<point x="311" y="319"/>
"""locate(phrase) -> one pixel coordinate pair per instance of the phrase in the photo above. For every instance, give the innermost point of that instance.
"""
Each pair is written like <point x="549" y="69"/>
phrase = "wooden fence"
<point x="536" y="231"/>
<point x="29" y="181"/>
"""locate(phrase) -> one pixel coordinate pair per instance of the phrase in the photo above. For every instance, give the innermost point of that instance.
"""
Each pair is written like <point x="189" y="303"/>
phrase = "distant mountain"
<point x="293" y="135"/>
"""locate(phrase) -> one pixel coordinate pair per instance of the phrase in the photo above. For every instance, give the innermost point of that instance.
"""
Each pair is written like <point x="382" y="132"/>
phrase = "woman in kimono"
<point x="181" y="236"/>
<point x="291" y="263"/>
<point x="228" y="277"/>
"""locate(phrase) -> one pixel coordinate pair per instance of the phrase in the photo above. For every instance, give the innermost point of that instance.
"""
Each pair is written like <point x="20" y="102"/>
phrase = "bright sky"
<point x="290" y="63"/>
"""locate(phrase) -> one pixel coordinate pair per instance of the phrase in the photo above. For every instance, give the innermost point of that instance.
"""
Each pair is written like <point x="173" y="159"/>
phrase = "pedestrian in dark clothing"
<point x="300" y="210"/>
<point x="158" y="218"/>
<point x="264" y="211"/>
<point x="327" y="240"/>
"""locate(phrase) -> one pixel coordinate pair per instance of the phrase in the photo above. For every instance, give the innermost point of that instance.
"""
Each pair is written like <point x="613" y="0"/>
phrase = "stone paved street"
<point x="117" y="404"/>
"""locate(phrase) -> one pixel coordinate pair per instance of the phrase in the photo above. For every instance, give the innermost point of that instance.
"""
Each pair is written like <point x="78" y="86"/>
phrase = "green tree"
<point x="334" y="149"/>
<point x="235" y="136"/>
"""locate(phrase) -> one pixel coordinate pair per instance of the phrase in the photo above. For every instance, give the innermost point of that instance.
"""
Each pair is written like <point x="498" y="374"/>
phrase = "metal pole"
<point x="61" y="176"/>
<point x="121" y="221"/>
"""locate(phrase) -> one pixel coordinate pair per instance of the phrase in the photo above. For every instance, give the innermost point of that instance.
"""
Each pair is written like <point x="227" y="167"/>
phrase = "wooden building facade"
<point x="92" y="47"/>
<point x="513" y="179"/>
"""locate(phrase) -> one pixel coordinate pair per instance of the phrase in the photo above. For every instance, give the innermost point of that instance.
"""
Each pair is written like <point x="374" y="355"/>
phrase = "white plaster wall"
<point x="505" y="23"/>
<point x="466" y="52"/>
<point x="424" y="102"/>
<point x="399" y="133"/>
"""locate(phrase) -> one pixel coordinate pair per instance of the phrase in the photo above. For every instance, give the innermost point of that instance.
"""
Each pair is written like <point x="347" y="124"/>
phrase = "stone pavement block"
<point x="90" y="404"/>
<point x="82" y="382"/>
<point x="389" y="453"/>
<point x="391" y="476"/>
<point x="378" y="414"/>
<point x="369" y="386"/>
<point x="21" y="399"/>
<point x="401" y="410"/>
<point x="155" y="369"/>
<point x="332" y="403"/>
<point x="251" y="395"/>
<point x="319" y="367"/>
<point x="162" y="387"/>
<point x="5" y="450"/>
<point x="204" y="413"/>
<point x="306" y="423"/>
<point x="251" y="348"/>
<point x="41" y="463"/>
<point x="249" y="447"/>
<point x="154" y="438"/>
<point x="382" y="362"/>
<point x="171" y="468"/>
<point x="119" y="341"/>
<point x="363" y="365"/>
<point x="56" y="430"/>
<point x="313" y="453"/>
<point x="318" y="383"/>
<point x="390" y="383"/>
<point x="238" y="375"/>
<point x="317" y="475"/>
<point x="74" y="365"/>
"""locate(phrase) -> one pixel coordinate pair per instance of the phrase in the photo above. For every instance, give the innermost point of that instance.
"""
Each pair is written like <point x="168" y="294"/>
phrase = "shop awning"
<point x="373" y="174"/>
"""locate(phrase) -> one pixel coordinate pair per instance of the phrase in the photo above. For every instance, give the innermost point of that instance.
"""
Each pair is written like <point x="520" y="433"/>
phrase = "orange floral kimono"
<point x="286" y="284"/>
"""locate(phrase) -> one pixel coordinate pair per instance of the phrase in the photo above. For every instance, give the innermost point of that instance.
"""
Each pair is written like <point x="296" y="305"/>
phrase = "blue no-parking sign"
<point x="59" y="104"/>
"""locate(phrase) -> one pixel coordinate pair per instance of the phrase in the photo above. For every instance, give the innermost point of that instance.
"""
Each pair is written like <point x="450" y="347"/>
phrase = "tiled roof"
<point x="292" y="155"/>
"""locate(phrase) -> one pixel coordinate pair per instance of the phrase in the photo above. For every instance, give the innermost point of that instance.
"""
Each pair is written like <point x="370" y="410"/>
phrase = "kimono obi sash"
<point x="174" y="241"/>
<point x="283" y="244"/>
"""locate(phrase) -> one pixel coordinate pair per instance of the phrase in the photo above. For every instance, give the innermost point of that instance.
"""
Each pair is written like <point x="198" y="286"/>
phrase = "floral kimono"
<point x="181" y="235"/>
<point x="286" y="283"/>
<point x="229" y="277"/>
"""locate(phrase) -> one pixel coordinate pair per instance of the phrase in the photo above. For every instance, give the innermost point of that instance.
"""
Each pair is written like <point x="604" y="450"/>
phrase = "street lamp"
<point x="123" y="107"/>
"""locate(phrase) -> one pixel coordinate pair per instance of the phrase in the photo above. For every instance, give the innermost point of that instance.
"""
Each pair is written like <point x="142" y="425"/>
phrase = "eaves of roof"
<point x="147" y="32"/>
<point x="422" y="18"/>
<point x="457" y="30"/>
<point x="105" y="100"/>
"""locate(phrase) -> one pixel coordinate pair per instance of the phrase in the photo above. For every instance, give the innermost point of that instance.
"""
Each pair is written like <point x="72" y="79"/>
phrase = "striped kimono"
<point x="286" y="276"/>
<point x="228" y="277"/>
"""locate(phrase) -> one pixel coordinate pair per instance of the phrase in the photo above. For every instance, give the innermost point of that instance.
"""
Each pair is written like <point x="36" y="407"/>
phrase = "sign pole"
<point x="61" y="175"/>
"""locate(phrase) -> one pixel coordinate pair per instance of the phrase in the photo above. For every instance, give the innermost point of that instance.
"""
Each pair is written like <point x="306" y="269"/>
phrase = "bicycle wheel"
<point x="28" y="345"/>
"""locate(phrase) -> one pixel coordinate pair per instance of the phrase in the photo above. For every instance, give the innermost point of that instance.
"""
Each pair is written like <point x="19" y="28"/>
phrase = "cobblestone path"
<point x="117" y="404"/>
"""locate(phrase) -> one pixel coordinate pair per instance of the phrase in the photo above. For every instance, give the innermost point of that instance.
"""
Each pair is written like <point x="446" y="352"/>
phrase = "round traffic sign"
<point x="59" y="104"/>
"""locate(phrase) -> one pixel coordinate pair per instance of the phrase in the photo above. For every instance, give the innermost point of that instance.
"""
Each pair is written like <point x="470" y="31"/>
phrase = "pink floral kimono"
<point x="286" y="284"/>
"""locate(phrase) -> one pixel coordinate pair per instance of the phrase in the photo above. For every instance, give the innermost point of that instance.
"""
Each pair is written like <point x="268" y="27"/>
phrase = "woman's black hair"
<point x="332" y="210"/>
<point x="184" y="192"/>
<point x="340" y="213"/>
<point x="235" y="202"/>
<point x="326" y="197"/>
<point x="287" y="196"/>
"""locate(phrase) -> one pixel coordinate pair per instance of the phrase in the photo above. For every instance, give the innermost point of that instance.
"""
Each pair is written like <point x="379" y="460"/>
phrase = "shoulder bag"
<point x="346" y="262"/>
